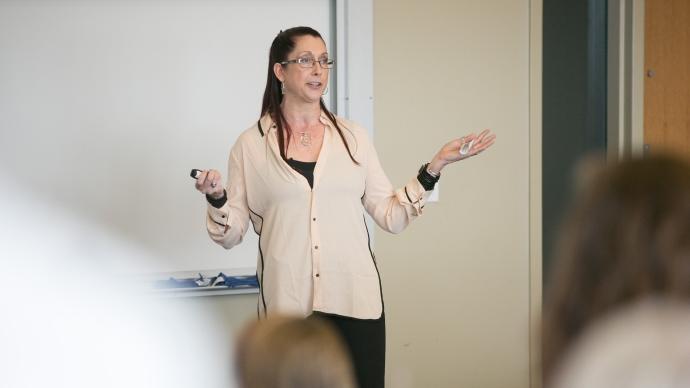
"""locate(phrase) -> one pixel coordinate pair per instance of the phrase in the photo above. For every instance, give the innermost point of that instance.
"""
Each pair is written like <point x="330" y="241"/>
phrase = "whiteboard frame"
<point x="355" y="68"/>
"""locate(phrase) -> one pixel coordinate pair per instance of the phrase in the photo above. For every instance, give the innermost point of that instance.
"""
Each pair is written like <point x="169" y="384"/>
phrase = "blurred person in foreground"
<point x="645" y="345"/>
<point x="292" y="352"/>
<point x="72" y="315"/>
<point x="625" y="240"/>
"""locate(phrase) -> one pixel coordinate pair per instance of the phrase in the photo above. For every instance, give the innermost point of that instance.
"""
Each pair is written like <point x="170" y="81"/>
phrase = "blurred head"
<point x="285" y="352"/>
<point x="627" y="237"/>
<point x="646" y="345"/>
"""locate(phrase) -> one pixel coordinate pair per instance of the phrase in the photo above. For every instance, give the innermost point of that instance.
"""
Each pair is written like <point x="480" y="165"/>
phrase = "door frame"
<point x="625" y="116"/>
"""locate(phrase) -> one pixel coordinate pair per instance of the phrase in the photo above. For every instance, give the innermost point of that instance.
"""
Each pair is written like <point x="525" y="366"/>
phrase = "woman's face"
<point x="304" y="84"/>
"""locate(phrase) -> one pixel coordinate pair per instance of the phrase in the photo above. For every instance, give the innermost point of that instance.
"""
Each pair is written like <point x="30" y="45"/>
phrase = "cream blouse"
<point x="314" y="248"/>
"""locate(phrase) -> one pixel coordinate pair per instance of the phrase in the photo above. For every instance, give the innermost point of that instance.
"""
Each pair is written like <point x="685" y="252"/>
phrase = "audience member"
<point x="626" y="239"/>
<point x="646" y="345"/>
<point x="291" y="352"/>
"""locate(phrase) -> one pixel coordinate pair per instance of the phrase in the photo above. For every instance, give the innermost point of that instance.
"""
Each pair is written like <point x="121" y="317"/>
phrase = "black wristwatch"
<point x="427" y="180"/>
<point x="217" y="203"/>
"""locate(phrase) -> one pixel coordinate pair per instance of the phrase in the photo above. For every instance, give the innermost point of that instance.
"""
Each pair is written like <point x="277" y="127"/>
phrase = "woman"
<point x="304" y="178"/>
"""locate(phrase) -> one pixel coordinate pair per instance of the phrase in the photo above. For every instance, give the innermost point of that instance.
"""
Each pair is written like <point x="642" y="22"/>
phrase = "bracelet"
<point x="217" y="203"/>
<point x="427" y="179"/>
<point x="433" y="174"/>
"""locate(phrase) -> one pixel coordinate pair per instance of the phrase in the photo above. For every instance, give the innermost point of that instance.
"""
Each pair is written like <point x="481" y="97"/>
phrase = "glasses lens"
<point x="326" y="63"/>
<point x="306" y="61"/>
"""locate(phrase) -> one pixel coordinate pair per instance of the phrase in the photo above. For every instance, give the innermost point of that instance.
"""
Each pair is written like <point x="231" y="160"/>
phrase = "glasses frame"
<point x="329" y="62"/>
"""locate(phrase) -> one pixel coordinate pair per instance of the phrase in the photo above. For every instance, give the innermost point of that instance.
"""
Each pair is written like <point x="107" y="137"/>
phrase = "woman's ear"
<point x="279" y="71"/>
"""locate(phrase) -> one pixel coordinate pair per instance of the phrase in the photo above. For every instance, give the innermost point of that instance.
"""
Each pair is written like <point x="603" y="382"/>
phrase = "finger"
<point x="212" y="178"/>
<point x="199" y="183"/>
<point x="486" y="144"/>
<point x="201" y="180"/>
<point x="468" y="138"/>
<point x="216" y="182"/>
<point x="485" y="140"/>
<point x="482" y="135"/>
<point x="488" y="139"/>
<point x="463" y="142"/>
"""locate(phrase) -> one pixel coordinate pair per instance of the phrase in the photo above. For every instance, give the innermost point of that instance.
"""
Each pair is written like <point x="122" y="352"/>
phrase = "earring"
<point x="282" y="87"/>
<point x="325" y="91"/>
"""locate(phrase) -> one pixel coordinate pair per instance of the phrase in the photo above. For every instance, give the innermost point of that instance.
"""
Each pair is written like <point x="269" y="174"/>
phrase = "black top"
<point x="304" y="168"/>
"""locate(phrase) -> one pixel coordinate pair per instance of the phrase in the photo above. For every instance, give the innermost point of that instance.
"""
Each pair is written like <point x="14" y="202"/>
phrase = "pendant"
<point x="305" y="139"/>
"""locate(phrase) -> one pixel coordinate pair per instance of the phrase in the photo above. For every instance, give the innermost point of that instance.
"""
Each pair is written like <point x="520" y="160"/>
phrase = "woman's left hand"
<point x="473" y="144"/>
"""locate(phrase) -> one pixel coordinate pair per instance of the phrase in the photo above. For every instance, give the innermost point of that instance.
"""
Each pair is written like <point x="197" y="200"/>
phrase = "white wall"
<point x="106" y="106"/>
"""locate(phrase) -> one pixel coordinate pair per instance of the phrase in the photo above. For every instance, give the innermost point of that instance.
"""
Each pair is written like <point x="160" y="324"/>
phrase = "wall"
<point x="457" y="282"/>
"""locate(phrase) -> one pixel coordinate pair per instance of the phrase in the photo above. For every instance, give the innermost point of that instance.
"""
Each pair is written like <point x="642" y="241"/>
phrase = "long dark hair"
<point x="282" y="45"/>
<point x="627" y="237"/>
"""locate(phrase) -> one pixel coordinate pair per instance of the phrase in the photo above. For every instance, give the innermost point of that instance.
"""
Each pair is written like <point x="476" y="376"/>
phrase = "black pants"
<point x="366" y="341"/>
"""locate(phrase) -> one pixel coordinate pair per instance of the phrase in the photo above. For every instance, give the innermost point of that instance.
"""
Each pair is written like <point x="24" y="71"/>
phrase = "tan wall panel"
<point x="456" y="283"/>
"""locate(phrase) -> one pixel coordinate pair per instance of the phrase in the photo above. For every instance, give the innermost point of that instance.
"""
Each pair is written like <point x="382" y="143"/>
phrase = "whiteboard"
<point x="105" y="106"/>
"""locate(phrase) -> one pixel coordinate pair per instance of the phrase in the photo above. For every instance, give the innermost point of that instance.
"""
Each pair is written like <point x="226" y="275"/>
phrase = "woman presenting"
<point x="304" y="178"/>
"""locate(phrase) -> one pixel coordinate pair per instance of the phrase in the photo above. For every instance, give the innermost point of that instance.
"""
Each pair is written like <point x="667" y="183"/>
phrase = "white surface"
<point x="434" y="197"/>
<point x="106" y="106"/>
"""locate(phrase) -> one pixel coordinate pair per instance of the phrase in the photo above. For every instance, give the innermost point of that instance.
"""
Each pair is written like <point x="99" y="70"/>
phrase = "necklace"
<point x="305" y="139"/>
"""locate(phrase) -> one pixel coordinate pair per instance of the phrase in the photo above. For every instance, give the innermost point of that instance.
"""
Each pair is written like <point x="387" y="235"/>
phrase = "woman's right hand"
<point x="210" y="183"/>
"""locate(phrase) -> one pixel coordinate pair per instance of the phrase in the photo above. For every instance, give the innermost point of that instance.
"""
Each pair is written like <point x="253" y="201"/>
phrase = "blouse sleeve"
<point x="392" y="209"/>
<point x="228" y="224"/>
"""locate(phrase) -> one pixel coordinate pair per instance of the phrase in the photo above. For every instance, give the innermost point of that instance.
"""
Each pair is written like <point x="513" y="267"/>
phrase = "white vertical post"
<point x="341" y="58"/>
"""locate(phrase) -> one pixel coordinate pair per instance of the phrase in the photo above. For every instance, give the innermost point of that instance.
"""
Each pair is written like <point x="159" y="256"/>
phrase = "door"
<point x="667" y="79"/>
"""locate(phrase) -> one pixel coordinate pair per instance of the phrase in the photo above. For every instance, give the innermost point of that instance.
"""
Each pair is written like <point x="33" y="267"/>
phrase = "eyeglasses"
<point x="307" y="62"/>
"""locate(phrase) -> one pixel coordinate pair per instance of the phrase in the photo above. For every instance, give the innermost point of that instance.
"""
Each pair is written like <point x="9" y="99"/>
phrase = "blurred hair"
<point x="626" y="237"/>
<point x="287" y="352"/>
